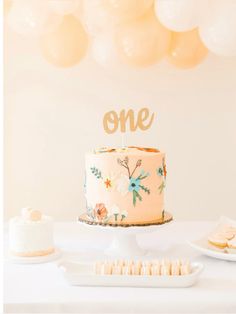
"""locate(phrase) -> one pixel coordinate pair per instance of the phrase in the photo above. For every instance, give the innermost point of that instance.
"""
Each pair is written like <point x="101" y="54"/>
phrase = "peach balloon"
<point x="67" y="45"/>
<point x="64" y="7"/>
<point x="7" y="6"/>
<point x="127" y="10"/>
<point x="143" y="42"/>
<point x="32" y="18"/>
<point x="186" y="49"/>
<point x="102" y="15"/>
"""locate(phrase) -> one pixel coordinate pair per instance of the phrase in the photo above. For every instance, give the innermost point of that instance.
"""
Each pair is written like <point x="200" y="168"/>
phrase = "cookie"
<point x="217" y="240"/>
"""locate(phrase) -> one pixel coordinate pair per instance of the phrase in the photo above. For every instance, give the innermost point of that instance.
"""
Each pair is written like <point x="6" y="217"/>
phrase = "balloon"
<point x="7" y="6"/>
<point x="143" y="42"/>
<point x="95" y="19"/>
<point x="32" y="17"/>
<point x="104" y="51"/>
<point x="218" y="29"/>
<point x="67" y="45"/>
<point x="186" y="49"/>
<point x="100" y="15"/>
<point x="178" y="15"/>
<point x="127" y="10"/>
<point x="63" y="7"/>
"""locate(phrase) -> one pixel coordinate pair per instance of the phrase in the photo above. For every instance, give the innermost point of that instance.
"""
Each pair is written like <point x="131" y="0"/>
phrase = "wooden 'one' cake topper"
<point x="112" y="120"/>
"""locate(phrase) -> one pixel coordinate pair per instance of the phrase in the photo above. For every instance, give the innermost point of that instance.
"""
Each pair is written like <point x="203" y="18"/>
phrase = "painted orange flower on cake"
<point x="109" y="180"/>
<point x="107" y="183"/>
<point x="100" y="211"/>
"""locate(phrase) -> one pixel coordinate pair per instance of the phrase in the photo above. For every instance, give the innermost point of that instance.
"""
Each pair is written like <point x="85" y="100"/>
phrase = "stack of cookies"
<point x="143" y="268"/>
<point x="224" y="238"/>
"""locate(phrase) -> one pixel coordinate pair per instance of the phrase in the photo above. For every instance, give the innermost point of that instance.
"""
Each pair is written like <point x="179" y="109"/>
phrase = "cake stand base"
<point x="125" y="245"/>
<point x="124" y="241"/>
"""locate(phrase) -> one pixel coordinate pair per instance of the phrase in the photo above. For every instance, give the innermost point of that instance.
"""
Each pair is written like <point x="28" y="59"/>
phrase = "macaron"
<point x="127" y="270"/>
<point x="185" y="269"/>
<point x="155" y="270"/>
<point x="217" y="240"/>
<point x="145" y="270"/>
<point x="116" y="270"/>
<point x="136" y="269"/>
<point x="146" y="263"/>
<point x="106" y="268"/>
<point x="175" y="269"/>
<point x="35" y="215"/>
<point x="165" y="270"/>
<point x="98" y="267"/>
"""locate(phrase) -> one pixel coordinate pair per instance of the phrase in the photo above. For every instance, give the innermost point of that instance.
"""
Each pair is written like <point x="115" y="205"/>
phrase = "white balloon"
<point x="32" y="17"/>
<point x="63" y="7"/>
<point x="179" y="15"/>
<point x="95" y="19"/>
<point x="103" y="50"/>
<point x="218" y="28"/>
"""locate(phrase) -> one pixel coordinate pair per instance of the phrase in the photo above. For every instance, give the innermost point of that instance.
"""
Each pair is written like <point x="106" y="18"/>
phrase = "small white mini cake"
<point x="31" y="234"/>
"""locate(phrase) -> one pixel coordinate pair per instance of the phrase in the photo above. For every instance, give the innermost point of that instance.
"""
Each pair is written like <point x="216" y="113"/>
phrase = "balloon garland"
<point x="139" y="33"/>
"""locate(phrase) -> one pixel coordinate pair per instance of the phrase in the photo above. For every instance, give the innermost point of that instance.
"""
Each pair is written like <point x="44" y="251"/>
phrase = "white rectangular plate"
<point x="78" y="274"/>
<point x="206" y="248"/>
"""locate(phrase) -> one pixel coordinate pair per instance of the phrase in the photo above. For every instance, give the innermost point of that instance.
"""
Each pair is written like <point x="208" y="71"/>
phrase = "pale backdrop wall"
<point x="53" y="116"/>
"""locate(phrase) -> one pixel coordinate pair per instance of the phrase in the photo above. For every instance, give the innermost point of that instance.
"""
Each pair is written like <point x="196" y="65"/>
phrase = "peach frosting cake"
<point x="125" y="186"/>
<point x="31" y="234"/>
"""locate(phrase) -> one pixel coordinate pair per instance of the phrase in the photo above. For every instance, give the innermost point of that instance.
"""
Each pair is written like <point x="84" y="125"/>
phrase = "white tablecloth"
<point x="42" y="288"/>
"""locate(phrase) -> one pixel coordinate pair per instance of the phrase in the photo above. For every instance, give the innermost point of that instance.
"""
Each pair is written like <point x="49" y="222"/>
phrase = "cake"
<point x="31" y="234"/>
<point x="125" y="187"/>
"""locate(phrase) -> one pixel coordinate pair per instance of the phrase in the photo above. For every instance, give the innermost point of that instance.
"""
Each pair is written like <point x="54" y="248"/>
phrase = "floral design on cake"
<point x="161" y="171"/>
<point x="96" y="172"/>
<point x="101" y="213"/>
<point x="108" y="180"/>
<point x="131" y="183"/>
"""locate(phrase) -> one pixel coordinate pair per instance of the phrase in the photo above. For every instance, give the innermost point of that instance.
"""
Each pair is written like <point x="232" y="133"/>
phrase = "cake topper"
<point x="112" y="121"/>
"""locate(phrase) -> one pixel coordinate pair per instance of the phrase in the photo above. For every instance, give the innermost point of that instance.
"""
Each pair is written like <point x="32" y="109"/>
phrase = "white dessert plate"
<point x="206" y="248"/>
<point x="35" y="260"/>
<point x="82" y="274"/>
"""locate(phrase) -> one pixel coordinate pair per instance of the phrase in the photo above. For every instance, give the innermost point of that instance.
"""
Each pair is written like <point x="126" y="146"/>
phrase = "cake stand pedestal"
<point x="124" y="241"/>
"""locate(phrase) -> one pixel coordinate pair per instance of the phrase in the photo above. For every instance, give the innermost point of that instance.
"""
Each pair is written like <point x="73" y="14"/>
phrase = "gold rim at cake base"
<point x="167" y="217"/>
<point x="33" y="254"/>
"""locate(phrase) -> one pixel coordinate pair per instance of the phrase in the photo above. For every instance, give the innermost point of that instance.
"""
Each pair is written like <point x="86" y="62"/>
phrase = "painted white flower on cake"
<point x="123" y="184"/>
<point x="115" y="210"/>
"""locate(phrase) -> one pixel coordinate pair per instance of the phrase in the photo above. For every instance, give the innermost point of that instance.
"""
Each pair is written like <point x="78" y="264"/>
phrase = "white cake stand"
<point x="124" y="241"/>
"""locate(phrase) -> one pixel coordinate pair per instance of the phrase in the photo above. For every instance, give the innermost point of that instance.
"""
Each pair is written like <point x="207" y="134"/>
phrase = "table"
<point x="42" y="288"/>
